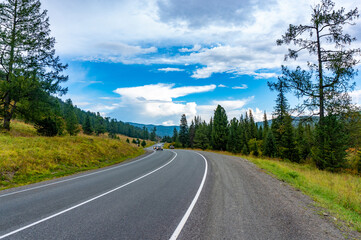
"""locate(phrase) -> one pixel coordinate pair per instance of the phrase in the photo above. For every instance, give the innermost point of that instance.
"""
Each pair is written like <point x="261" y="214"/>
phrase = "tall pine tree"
<point x="28" y="62"/>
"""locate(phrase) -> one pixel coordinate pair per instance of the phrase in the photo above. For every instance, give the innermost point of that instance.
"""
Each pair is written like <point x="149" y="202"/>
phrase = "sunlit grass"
<point x="26" y="158"/>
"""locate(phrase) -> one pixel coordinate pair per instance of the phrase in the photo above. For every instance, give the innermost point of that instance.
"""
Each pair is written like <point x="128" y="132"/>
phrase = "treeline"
<point x="280" y="139"/>
<point x="59" y="118"/>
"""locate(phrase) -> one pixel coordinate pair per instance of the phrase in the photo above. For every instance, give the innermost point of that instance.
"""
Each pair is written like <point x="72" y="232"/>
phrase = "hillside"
<point x="27" y="158"/>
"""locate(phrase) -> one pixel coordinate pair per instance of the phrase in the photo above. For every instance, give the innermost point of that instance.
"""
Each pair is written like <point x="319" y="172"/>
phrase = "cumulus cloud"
<point x="169" y="69"/>
<point x="222" y="86"/>
<point x="161" y="91"/>
<point x="156" y="103"/>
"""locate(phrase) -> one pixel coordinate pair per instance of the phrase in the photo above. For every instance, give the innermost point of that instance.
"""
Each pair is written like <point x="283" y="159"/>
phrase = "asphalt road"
<point x="167" y="194"/>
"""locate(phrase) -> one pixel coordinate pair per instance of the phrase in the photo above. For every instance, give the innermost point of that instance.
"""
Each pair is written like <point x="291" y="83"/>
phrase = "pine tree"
<point x="234" y="137"/>
<point x="100" y="126"/>
<point x="332" y="157"/>
<point x="29" y="66"/>
<point x="143" y="143"/>
<point x="252" y="126"/>
<point x="153" y="134"/>
<point x="71" y="121"/>
<point x="325" y="86"/>
<point x="175" y="135"/>
<point x="220" y="129"/>
<point x="282" y="125"/>
<point x="192" y="132"/>
<point x="184" y="132"/>
<point x="87" y="127"/>
<point x="201" y="139"/>
<point x="270" y="149"/>
<point x="265" y="125"/>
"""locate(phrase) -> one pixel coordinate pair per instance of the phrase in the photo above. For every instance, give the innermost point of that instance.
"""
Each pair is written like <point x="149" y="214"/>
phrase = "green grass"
<point x="339" y="193"/>
<point x="27" y="158"/>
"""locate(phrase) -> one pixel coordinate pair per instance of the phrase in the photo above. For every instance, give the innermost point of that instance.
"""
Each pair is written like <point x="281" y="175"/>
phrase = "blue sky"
<point x="149" y="61"/>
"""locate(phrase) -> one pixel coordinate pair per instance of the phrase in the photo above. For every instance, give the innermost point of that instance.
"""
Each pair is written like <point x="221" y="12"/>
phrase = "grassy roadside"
<point x="338" y="193"/>
<point x="27" y="158"/>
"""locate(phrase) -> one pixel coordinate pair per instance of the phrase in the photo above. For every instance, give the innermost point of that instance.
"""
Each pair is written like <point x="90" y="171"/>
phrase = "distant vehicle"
<point x="159" y="148"/>
<point x="171" y="147"/>
<point x="154" y="147"/>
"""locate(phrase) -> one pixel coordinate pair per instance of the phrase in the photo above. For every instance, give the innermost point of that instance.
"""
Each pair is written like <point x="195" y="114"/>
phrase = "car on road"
<point x="171" y="147"/>
<point x="159" y="148"/>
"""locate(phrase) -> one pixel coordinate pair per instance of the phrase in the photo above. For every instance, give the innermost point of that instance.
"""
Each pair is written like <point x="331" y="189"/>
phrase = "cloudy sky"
<point x="149" y="61"/>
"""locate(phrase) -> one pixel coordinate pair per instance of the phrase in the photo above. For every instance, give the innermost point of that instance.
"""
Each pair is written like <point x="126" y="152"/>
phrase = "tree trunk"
<point x="320" y="76"/>
<point x="7" y="106"/>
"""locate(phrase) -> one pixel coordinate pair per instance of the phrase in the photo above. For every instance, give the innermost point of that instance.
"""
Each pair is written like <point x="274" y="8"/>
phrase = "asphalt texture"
<point x="147" y="198"/>
<point x="241" y="201"/>
<point x="149" y="208"/>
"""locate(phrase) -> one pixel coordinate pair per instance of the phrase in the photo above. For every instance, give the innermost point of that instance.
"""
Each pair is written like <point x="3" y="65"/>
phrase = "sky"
<point x="150" y="61"/>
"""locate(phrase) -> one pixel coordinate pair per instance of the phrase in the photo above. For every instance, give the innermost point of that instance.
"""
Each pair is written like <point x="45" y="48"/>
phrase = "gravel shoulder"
<point x="241" y="201"/>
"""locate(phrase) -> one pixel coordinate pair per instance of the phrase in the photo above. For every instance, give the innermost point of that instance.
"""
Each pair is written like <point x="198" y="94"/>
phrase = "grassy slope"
<point x="27" y="158"/>
<point x="339" y="193"/>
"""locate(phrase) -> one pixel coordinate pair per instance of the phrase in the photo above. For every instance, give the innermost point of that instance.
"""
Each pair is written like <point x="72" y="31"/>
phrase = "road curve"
<point x="168" y="194"/>
<point x="240" y="201"/>
<point x="144" y="199"/>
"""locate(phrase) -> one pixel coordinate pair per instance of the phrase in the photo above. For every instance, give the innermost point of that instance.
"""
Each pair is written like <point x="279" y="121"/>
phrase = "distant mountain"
<point x="161" y="130"/>
<point x="295" y="121"/>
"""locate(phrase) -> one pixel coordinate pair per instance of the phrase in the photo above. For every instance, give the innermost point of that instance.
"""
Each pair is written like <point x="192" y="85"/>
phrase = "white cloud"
<point x="155" y="103"/>
<point x="222" y="86"/>
<point x="161" y="91"/>
<point x="244" y="86"/>
<point x="168" y="123"/>
<point x="169" y="69"/>
<point x="195" y="48"/>
<point x="234" y="108"/>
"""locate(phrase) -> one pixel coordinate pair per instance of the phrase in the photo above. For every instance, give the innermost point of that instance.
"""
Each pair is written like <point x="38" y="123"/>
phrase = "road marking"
<point x="74" y="178"/>
<point x="85" y="202"/>
<point x="190" y="208"/>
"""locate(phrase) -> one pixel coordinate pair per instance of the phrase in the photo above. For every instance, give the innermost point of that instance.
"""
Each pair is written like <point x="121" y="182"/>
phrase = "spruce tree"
<point x="234" y="137"/>
<point x="220" y="129"/>
<point x="184" y="131"/>
<point x="332" y="157"/>
<point x="175" y="135"/>
<point x="265" y="125"/>
<point x="192" y="132"/>
<point x="71" y="121"/>
<point x="28" y="62"/>
<point x="270" y="149"/>
<point x="87" y="127"/>
<point x="201" y="139"/>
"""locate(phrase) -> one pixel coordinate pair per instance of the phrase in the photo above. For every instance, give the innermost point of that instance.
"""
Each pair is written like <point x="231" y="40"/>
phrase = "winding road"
<point x="170" y="194"/>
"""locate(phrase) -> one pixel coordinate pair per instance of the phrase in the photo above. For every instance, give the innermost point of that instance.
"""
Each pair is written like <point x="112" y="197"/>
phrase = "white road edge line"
<point x="190" y="208"/>
<point x="85" y="202"/>
<point x="74" y="178"/>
